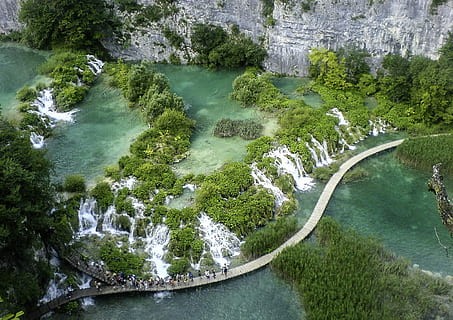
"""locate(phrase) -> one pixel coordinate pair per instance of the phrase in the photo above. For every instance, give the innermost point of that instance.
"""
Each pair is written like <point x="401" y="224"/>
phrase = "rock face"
<point x="379" y="26"/>
<point x="9" y="16"/>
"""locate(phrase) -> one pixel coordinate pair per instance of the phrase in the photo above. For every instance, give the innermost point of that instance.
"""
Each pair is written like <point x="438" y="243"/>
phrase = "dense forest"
<point x="414" y="94"/>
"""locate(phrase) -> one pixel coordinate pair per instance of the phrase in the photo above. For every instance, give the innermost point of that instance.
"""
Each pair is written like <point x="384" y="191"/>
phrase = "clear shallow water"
<point x="394" y="205"/>
<point x="207" y="93"/>
<point x="104" y="128"/>
<point x="289" y="86"/>
<point x="17" y="68"/>
<point x="259" y="296"/>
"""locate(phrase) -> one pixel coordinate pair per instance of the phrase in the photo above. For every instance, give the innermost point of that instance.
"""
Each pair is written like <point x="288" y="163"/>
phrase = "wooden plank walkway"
<point x="248" y="267"/>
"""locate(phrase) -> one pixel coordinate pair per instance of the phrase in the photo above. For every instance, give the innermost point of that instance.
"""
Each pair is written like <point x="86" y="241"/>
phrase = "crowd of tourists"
<point x="121" y="280"/>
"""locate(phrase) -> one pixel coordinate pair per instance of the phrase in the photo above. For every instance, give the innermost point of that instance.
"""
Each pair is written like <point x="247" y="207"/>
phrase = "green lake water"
<point x="104" y="128"/>
<point x="392" y="204"/>
<point x="207" y="95"/>
<point x="17" y="68"/>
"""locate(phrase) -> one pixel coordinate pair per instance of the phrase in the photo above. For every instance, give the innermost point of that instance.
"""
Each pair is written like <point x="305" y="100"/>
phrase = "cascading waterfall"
<point x="84" y="282"/>
<point x="262" y="180"/>
<point x="108" y="219"/>
<point x="290" y="163"/>
<point x="221" y="243"/>
<point x="335" y="112"/>
<point x="139" y="212"/>
<point x="47" y="108"/>
<point x="94" y="64"/>
<point x="324" y="157"/>
<point x="45" y="103"/>
<point x="37" y="141"/>
<point x="157" y="239"/>
<point x="377" y="126"/>
<point x="88" y="219"/>
<point x="55" y="288"/>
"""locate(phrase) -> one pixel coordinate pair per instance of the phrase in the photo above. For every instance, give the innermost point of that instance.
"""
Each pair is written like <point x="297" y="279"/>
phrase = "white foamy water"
<point x="94" y="64"/>
<point x="37" y="141"/>
<point x="129" y="182"/>
<point x="55" y="288"/>
<point x="324" y="157"/>
<point x="377" y="126"/>
<point x="84" y="282"/>
<point x="46" y="107"/>
<point x="335" y="112"/>
<point x="290" y="163"/>
<point x="88" y="220"/>
<point x="220" y="242"/>
<point x="157" y="239"/>
<point x="262" y="180"/>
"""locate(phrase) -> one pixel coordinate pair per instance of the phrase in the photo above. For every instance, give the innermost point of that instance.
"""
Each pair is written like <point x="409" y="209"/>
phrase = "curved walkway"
<point x="242" y="269"/>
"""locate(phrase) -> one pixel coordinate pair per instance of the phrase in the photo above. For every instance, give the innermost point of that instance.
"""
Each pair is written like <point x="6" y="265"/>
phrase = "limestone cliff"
<point x="385" y="26"/>
<point x="380" y="26"/>
<point x="9" y="12"/>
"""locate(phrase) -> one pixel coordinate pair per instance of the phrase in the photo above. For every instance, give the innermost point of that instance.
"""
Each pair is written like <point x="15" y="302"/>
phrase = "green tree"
<point x="66" y="23"/>
<point x="328" y="69"/>
<point x="25" y="223"/>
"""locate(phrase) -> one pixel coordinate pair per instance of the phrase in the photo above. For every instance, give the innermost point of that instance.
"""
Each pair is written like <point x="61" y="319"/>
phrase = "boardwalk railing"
<point x="234" y="272"/>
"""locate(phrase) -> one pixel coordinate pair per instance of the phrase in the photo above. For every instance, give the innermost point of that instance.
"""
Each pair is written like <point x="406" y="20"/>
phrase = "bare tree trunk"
<point x="436" y="185"/>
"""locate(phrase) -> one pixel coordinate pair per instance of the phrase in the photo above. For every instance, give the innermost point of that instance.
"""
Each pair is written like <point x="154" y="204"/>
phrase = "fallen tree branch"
<point x="436" y="185"/>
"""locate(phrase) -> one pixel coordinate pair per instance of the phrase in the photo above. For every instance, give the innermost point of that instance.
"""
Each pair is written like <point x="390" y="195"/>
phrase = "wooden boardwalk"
<point x="237" y="271"/>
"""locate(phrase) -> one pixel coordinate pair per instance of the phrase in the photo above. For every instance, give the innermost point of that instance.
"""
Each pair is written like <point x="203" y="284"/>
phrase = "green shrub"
<point x="74" y="183"/>
<point x="26" y="94"/>
<point x="178" y="266"/>
<point x="121" y="260"/>
<point x="103" y="195"/>
<point x="123" y="223"/>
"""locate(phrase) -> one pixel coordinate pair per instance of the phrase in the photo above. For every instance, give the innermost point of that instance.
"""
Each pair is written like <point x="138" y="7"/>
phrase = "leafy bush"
<point x="75" y="24"/>
<point x="217" y="48"/>
<point x="74" y="183"/>
<point x="123" y="223"/>
<point x="120" y="259"/>
<point x="178" y="266"/>
<point x="257" y="148"/>
<point x="26" y="94"/>
<point x="103" y="195"/>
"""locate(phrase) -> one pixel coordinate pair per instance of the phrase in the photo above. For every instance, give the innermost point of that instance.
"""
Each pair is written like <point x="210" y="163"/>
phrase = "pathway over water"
<point x="234" y="272"/>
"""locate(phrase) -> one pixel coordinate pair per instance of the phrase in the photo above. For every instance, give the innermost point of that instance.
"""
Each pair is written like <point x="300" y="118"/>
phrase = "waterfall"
<point x="94" y="64"/>
<point x="46" y="106"/>
<point x="262" y="180"/>
<point x="325" y="159"/>
<point x="84" y="282"/>
<point x="139" y="212"/>
<point x="338" y="114"/>
<point x="88" y="219"/>
<point x="290" y="163"/>
<point x="54" y="289"/>
<point x="156" y="241"/>
<point x="36" y="140"/>
<point x="190" y="187"/>
<point x="221" y="242"/>
<point x="377" y="126"/>
<point x="128" y="182"/>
